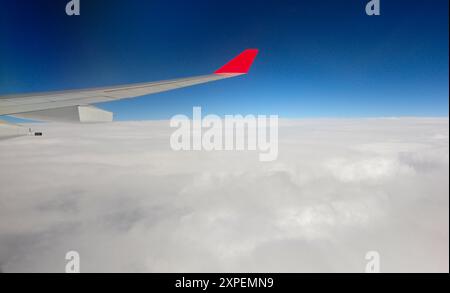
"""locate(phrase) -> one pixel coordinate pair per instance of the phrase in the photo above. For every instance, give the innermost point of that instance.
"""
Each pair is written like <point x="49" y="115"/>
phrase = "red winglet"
<point x="241" y="64"/>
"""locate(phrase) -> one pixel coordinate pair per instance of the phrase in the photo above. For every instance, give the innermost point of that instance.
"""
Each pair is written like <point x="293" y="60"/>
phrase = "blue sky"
<point x="318" y="58"/>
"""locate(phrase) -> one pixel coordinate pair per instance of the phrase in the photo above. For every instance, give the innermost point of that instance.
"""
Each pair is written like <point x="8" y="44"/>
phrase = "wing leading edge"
<point x="52" y="105"/>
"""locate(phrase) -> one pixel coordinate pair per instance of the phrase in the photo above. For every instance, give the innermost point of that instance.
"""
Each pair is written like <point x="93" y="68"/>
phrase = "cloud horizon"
<point x="118" y="195"/>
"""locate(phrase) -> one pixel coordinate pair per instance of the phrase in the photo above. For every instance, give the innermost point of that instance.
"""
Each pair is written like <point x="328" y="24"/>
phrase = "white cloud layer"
<point x="119" y="196"/>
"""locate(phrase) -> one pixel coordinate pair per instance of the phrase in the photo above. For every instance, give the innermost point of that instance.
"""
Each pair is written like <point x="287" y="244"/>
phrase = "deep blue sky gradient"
<point x="318" y="58"/>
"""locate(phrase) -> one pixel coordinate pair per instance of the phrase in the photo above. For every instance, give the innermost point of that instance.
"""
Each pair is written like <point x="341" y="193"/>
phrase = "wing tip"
<point x="241" y="64"/>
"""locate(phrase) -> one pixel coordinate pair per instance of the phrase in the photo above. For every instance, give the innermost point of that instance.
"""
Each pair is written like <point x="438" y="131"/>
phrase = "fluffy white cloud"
<point x="117" y="194"/>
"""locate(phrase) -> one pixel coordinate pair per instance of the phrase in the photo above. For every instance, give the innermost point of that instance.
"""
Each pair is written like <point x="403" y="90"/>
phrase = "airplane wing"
<point x="76" y="105"/>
